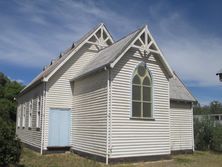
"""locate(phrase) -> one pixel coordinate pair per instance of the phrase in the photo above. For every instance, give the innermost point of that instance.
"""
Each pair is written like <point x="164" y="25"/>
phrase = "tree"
<point x="215" y="107"/>
<point x="201" y="110"/>
<point x="217" y="138"/>
<point x="203" y="130"/>
<point x="10" y="147"/>
<point x="8" y="91"/>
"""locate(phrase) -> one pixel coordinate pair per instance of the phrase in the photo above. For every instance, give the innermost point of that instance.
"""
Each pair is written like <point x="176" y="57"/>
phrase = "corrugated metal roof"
<point x="178" y="90"/>
<point x="107" y="55"/>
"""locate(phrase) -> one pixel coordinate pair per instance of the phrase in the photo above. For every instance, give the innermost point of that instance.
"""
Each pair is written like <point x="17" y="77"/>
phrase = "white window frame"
<point x="30" y="109"/>
<point x="38" y="112"/>
<point x="19" y="116"/>
<point x="152" y="94"/>
<point x="23" y="114"/>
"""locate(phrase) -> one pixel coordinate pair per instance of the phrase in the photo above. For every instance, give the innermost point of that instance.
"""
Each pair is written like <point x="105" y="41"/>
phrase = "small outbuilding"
<point x="111" y="100"/>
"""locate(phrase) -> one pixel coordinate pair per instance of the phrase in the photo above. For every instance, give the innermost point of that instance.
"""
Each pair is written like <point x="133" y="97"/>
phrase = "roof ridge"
<point x="63" y="55"/>
<point x="125" y="36"/>
<point x="129" y="34"/>
<point x="67" y="50"/>
<point x="108" y="31"/>
<point x="103" y="51"/>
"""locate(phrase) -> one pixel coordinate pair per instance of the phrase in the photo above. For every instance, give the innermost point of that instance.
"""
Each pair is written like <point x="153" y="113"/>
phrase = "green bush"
<point x="203" y="133"/>
<point x="10" y="147"/>
<point x="217" y="138"/>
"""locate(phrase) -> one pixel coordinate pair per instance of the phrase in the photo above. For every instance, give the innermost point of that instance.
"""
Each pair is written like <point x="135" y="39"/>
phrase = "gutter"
<point x="183" y="100"/>
<point x="27" y="88"/>
<point x="101" y="68"/>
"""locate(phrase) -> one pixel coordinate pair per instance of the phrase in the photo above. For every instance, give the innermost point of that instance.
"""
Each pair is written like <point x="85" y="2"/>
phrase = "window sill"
<point x="143" y="119"/>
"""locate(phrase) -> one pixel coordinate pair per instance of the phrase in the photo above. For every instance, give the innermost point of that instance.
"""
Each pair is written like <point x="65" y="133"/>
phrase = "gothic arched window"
<point x="141" y="92"/>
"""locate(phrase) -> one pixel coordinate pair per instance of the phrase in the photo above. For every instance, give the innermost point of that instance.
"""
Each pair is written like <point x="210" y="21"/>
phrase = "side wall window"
<point x="38" y="112"/>
<point x="23" y="114"/>
<point x="141" y="92"/>
<point x="30" y="113"/>
<point x="19" y="115"/>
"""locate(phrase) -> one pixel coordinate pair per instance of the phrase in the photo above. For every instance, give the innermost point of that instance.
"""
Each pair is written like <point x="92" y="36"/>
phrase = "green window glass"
<point x="141" y="92"/>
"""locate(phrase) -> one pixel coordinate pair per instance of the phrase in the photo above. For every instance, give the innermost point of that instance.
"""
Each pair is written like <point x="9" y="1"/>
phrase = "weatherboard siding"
<point x="30" y="136"/>
<point x="89" y="114"/>
<point x="59" y="89"/>
<point x="138" y="137"/>
<point x="181" y="125"/>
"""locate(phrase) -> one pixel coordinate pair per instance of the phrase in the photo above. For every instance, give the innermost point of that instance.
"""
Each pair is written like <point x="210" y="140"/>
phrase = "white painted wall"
<point x="87" y="98"/>
<point x="89" y="114"/>
<point x="30" y="136"/>
<point x="139" y="137"/>
<point x="181" y="126"/>
<point x="59" y="90"/>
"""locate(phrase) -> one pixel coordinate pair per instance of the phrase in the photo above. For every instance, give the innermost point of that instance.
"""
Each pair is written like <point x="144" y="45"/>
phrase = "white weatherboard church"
<point x="110" y="100"/>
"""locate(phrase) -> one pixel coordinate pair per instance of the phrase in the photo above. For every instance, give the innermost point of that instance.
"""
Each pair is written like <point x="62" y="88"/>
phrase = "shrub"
<point x="217" y="138"/>
<point x="203" y="131"/>
<point x="10" y="147"/>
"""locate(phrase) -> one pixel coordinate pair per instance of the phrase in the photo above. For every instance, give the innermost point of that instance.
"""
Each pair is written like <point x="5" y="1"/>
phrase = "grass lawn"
<point x="198" y="159"/>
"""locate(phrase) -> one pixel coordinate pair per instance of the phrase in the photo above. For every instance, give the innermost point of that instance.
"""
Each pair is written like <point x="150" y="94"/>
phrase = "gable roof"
<point x="107" y="55"/>
<point x="178" y="90"/>
<point x="106" y="58"/>
<point x="63" y="57"/>
<point x="112" y="53"/>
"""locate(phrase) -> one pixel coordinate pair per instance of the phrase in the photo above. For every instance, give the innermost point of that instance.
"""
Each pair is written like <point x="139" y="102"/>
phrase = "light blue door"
<point x="59" y="127"/>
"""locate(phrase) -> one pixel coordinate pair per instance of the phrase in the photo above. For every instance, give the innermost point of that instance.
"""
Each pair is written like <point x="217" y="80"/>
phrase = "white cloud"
<point x="195" y="55"/>
<point x="197" y="59"/>
<point x="17" y="80"/>
<point x="53" y="29"/>
<point x="20" y="81"/>
<point x="55" y="25"/>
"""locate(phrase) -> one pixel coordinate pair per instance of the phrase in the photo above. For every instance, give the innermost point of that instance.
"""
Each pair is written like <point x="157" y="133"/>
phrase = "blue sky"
<point x="188" y="32"/>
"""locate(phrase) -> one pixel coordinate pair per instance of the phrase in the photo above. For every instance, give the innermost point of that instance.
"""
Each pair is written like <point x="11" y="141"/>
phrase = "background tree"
<point x="203" y="130"/>
<point x="10" y="147"/>
<point x="8" y="91"/>
<point x="207" y="133"/>
<point x="215" y="107"/>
